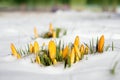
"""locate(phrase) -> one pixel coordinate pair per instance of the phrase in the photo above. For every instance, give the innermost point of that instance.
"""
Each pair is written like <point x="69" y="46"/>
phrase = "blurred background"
<point x="54" y="5"/>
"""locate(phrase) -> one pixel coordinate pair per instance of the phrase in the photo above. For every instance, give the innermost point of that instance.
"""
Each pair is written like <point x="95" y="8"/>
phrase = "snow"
<point x="18" y="27"/>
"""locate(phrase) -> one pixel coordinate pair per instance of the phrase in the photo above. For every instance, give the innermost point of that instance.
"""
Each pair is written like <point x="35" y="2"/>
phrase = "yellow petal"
<point x="35" y="32"/>
<point x="77" y="51"/>
<point x="31" y="48"/>
<point x="14" y="51"/>
<point x="51" y="28"/>
<point x="54" y="61"/>
<point x="18" y="56"/>
<point x="77" y="41"/>
<point x="86" y="50"/>
<point x="36" y="47"/>
<point x="38" y="59"/>
<point x="82" y="49"/>
<point x="52" y="49"/>
<point x="65" y="52"/>
<point x="101" y="44"/>
<point x="54" y="34"/>
<point x="77" y="58"/>
<point x="72" y="56"/>
<point x="60" y="52"/>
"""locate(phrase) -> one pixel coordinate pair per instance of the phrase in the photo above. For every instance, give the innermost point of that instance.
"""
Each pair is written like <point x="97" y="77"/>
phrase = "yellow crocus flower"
<point x="35" y="32"/>
<point x="72" y="56"/>
<point x="86" y="50"/>
<point x="51" y="28"/>
<point x="101" y="44"/>
<point x="77" y="52"/>
<point x="54" y="61"/>
<point x="65" y="52"/>
<point x="31" y="48"/>
<point x="18" y="56"/>
<point x="36" y="47"/>
<point x="38" y="59"/>
<point x="14" y="51"/>
<point x="76" y="41"/>
<point x="82" y="50"/>
<point x="77" y="58"/>
<point x="52" y="49"/>
<point x="54" y="34"/>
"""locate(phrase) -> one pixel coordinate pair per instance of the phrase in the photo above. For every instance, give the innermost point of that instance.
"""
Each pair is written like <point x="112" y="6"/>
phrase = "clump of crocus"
<point x="74" y="53"/>
<point x="54" y="53"/>
<point x="52" y="33"/>
<point x="35" y="48"/>
<point x="99" y="47"/>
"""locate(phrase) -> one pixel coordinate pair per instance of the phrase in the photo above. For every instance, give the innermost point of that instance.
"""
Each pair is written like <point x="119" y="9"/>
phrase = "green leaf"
<point x="65" y="63"/>
<point x="93" y="45"/>
<point x="32" y="60"/>
<point x="97" y="45"/>
<point x="112" y="46"/>
<point x="107" y="47"/>
<point x="112" y="71"/>
<point x="42" y="59"/>
<point x="91" y="50"/>
<point x="47" y="60"/>
<point x="58" y="30"/>
<point x="65" y="32"/>
<point x="58" y="55"/>
<point x="68" y="61"/>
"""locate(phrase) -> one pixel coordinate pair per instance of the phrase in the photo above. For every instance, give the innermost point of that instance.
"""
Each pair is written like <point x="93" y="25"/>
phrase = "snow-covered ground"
<point x="17" y="28"/>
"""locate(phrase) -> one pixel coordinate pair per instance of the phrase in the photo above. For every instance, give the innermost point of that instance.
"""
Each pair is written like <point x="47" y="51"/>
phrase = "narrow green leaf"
<point x="112" y="46"/>
<point x="68" y="61"/>
<point x="93" y="45"/>
<point x="58" y="30"/>
<point x="107" y="47"/>
<point x="97" y="45"/>
<point x="65" y="63"/>
<point x="42" y="59"/>
<point x="65" y="32"/>
<point x="114" y="67"/>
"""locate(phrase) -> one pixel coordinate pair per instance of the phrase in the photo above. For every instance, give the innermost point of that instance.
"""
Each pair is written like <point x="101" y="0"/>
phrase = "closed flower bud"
<point x="35" y="32"/>
<point x="77" y="41"/>
<point x="36" y="47"/>
<point x="101" y="44"/>
<point x="52" y="49"/>
<point x="65" y="52"/>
